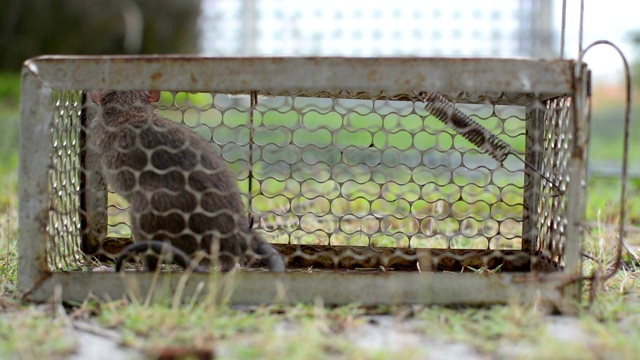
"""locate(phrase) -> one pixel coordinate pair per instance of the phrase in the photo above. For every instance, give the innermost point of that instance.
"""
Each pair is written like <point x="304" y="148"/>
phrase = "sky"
<point x="611" y="20"/>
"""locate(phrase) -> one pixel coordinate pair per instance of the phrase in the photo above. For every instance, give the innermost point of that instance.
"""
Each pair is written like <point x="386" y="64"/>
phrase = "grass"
<point x="26" y="331"/>
<point x="610" y="327"/>
<point x="35" y="333"/>
<point x="248" y="333"/>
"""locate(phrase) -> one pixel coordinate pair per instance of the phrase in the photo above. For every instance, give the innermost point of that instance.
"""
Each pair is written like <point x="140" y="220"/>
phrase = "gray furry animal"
<point x="180" y="191"/>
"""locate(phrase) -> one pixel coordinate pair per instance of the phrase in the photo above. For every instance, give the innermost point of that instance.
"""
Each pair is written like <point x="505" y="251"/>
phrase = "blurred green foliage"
<point x="607" y="125"/>
<point x="33" y="27"/>
<point x="9" y="87"/>
<point x="10" y="122"/>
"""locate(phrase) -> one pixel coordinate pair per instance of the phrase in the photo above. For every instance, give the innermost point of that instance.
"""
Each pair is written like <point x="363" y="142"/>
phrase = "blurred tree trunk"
<point x="34" y="27"/>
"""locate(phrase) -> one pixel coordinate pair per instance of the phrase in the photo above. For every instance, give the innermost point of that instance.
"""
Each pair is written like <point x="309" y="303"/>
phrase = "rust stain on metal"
<point x="156" y="76"/>
<point x="43" y="278"/>
<point x="111" y="247"/>
<point x="175" y="352"/>
<point x="372" y="75"/>
<point x="42" y="261"/>
<point x="355" y="257"/>
<point x="352" y="258"/>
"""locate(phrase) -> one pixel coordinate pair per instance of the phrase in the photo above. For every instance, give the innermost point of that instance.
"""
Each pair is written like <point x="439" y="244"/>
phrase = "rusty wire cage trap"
<point x="355" y="169"/>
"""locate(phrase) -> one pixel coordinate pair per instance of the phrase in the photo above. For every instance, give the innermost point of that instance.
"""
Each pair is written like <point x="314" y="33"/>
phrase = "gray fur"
<point x="179" y="189"/>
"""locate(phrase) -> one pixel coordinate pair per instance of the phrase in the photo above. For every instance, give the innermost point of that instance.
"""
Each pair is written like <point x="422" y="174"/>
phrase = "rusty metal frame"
<point x="40" y="76"/>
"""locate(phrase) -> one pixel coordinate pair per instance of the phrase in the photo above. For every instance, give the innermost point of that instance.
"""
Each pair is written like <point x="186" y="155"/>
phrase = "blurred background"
<point x="470" y="28"/>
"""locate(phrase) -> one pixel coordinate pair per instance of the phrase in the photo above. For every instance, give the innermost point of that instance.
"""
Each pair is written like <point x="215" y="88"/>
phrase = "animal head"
<point x="102" y="97"/>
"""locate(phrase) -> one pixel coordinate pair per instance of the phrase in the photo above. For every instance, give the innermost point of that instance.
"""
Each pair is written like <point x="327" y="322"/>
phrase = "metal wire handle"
<point x="486" y="141"/>
<point x="625" y="154"/>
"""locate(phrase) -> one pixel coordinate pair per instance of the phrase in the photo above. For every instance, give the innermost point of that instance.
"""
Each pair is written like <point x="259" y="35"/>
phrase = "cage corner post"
<point x="35" y="148"/>
<point x="577" y="172"/>
<point x="533" y="155"/>
<point x="92" y="195"/>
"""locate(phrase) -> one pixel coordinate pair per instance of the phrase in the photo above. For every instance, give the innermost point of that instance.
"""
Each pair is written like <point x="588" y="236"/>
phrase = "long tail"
<point x="272" y="257"/>
<point x="159" y="247"/>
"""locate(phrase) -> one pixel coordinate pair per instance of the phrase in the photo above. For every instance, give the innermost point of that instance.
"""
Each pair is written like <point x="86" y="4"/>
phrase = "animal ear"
<point x="96" y="96"/>
<point x="152" y="95"/>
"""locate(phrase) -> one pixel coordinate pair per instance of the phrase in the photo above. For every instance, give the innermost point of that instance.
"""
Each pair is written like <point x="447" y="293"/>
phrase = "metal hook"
<point x="625" y="154"/>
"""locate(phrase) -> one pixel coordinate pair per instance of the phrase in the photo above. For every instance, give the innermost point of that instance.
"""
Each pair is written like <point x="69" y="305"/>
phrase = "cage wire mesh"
<point x="353" y="180"/>
<point x="557" y="136"/>
<point x="64" y="225"/>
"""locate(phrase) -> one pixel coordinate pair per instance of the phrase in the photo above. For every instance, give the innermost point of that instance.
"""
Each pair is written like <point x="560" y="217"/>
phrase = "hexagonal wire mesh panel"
<point x="353" y="178"/>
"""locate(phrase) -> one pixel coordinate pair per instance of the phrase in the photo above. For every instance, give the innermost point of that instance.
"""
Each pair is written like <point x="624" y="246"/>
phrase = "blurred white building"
<point x="497" y="28"/>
